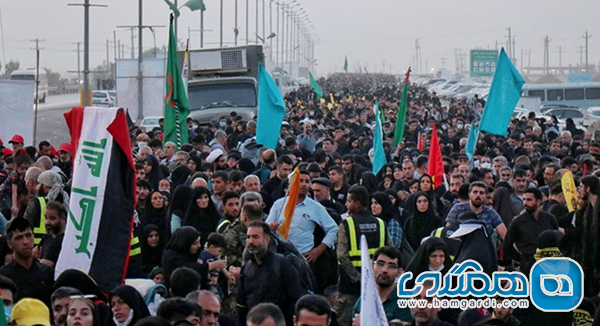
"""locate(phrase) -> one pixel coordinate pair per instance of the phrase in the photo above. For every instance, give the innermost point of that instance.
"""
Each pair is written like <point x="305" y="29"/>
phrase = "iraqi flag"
<point x="102" y="197"/>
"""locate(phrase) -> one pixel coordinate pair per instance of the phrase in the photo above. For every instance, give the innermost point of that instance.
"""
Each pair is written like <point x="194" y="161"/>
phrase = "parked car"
<point x="102" y="98"/>
<point x="149" y="123"/>
<point x="594" y="111"/>
<point x="579" y="116"/>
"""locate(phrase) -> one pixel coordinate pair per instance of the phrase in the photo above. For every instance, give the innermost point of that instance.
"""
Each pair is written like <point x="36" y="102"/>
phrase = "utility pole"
<point x="418" y="56"/>
<point x="560" y="52"/>
<point x="236" y="29"/>
<point x="580" y="50"/>
<point x="78" y="63"/>
<point x="132" y="45"/>
<point x="456" y="63"/>
<point x="522" y="60"/>
<point x="587" y="37"/>
<point x="546" y="55"/>
<point x="221" y="28"/>
<point x="529" y="61"/>
<point x="115" y="50"/>
<point x="107" y="58"/>
<point x="86" y="48"/>
<point x="509" y="44"/>
<point x="37" y="84"/>
<point x="140" y="77"/>
<point x="247" y="19"/>
<point x="513" y="48"/>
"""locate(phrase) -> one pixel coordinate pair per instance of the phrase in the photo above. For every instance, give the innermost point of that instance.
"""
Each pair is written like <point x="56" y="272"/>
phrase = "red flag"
<point x="420" y="142"/>
<point x="435" y="167"/>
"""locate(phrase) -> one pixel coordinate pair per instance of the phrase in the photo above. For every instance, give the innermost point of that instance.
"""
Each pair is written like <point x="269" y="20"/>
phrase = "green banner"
<point x="483" y="63"/>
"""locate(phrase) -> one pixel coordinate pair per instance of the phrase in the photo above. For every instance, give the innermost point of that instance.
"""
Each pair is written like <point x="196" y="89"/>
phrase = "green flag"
<point x="195" y="5"/>
<point x="401" y="119"/>
<point x="315" y="86"/>
<point x="176" y="101"/>
<point x="173" y="8"/>
<point x="346" y="64"/>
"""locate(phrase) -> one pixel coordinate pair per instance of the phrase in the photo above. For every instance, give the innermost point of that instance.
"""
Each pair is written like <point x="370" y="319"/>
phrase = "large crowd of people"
<point x="213" y="247"/>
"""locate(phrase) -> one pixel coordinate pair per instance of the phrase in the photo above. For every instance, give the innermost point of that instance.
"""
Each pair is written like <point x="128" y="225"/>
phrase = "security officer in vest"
<point x="359" y="222"/>
<point x="50" y="188"/>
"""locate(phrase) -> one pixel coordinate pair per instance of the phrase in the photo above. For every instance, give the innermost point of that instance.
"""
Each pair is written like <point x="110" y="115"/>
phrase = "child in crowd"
<point x="14" y="187"/>
<point x="215" y="245"/>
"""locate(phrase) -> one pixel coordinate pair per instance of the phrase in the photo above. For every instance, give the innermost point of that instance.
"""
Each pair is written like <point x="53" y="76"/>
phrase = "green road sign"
<point x="483" y="63"/>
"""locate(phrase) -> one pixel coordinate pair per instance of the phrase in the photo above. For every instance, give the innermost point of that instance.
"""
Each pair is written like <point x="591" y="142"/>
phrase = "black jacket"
<point x="275" y="280"/>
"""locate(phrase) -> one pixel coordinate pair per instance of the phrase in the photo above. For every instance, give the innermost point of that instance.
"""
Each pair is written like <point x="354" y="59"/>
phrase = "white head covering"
<point x="53" y="180"/>
<point x="214" y="155"/>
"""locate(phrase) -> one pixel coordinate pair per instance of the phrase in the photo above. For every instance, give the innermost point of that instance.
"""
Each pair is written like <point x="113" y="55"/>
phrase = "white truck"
<point x="223" y="80"/>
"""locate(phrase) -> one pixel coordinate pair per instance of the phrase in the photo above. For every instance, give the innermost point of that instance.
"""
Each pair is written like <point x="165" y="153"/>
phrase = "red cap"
<point x="66" y="147"/>
<point x="17" y="139"/>
<point x="1" y="142"/>
<point x="7" y="152"/>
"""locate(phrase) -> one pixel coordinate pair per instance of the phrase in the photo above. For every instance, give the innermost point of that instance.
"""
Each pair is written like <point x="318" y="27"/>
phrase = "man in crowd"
<point x="266" y="277"/>
<point x="522" y="237"/>
<point x="387" y="267"/>
<point x="231" y="210"/>
<point x="51" y="244"/>
<point x="33" y="279"/>
<point x="359" y="222"/>
<point x="339" y="189"/>
<point x="273" y="185"/>
<point x="477" y="192"/>
<point x="308" y="215"/>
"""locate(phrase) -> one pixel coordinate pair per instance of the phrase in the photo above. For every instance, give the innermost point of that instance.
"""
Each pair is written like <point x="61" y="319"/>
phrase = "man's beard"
<point x="531" y="210"/>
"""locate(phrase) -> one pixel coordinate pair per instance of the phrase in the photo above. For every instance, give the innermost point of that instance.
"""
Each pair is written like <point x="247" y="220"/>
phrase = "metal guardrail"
<point x="74" y="89"/>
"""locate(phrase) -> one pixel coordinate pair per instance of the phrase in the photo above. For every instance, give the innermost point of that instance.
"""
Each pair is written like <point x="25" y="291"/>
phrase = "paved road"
<point x="51" y="124"/>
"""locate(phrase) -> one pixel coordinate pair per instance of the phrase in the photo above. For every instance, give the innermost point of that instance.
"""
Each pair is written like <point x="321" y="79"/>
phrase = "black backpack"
<point x="287" y="249"/>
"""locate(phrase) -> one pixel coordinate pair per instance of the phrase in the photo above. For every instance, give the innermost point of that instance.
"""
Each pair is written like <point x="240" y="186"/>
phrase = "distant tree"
<point x="9" y="68"/>
<point x="149" y="53"/>
<point x="53" y="77"/>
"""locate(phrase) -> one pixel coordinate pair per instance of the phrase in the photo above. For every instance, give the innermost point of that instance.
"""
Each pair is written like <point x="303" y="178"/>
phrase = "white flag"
<point x="371" y="308"/>
<point x="186" y="68"/>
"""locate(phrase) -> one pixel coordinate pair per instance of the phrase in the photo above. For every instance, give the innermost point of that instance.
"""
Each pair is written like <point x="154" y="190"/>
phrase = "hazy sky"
<point x="367" y="31"/>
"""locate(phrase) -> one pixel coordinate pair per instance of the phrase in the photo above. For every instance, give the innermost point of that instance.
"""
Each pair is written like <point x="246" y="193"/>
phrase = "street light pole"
<point x="236" y="29"/>
<point x="221" y="28"/>
<point x="86" y="47"/>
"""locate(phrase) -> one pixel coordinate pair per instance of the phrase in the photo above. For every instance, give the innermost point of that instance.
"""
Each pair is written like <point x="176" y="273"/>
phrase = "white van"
<point x="29" y="74"/>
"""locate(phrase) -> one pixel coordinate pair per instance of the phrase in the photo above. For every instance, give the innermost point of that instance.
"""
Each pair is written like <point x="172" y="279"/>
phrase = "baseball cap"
<point x="7" y="152"/>
<point x="66" y="147"/>
<point x="17" y="139"/>
<point x="29" y="312"/>
<point x="477" y="317"/>
<point x="1" y="143"/>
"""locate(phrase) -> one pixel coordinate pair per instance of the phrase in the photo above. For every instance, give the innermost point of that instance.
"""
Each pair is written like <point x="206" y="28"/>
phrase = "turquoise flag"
<point x="503" y="97"/>
<point x="472" y="141"/>
<point x="271" y="110"/>
<point x="378" y="151"/>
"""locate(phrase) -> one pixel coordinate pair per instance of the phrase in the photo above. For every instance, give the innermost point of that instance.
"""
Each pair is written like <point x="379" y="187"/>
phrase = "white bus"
<point x="29" y="74"/>
<point x="581" y="95"/>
